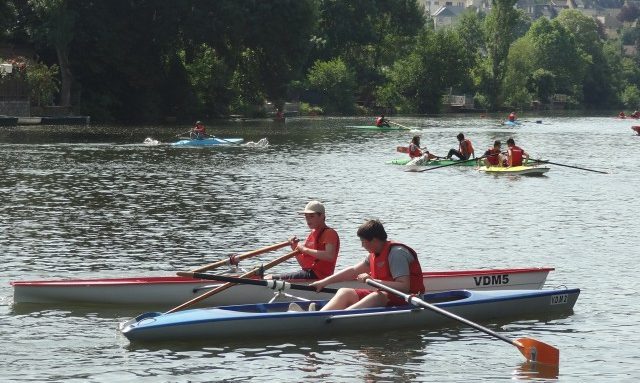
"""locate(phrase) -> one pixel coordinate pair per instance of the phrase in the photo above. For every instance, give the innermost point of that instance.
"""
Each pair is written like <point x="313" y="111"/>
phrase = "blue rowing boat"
<point x="255" y="321"/>
<point x="211" y="141"/>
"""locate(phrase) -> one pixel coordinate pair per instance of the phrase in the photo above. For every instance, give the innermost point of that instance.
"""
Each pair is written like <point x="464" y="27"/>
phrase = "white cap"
<point x="313" y="207"/>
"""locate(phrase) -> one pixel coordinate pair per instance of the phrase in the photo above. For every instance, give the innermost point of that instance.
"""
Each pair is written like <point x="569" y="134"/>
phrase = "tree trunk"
<point x="65" y="75"/>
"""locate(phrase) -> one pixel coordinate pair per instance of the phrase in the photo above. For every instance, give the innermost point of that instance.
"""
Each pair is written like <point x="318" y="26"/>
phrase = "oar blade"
<point x="537" y="351"/>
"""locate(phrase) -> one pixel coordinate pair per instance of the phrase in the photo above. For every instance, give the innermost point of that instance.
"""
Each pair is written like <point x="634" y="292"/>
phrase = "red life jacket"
<point x="492" y="156"/>
<point x="414" y="151"/>
<point x="379" y="121"/>
<point x="515" y="156"/>
<point x="466" y="148"/>
<point x="199" y="129"/>
<point x="320" y="267"/>
<point x="379" y="267"/>
<point x="512" y="117"/>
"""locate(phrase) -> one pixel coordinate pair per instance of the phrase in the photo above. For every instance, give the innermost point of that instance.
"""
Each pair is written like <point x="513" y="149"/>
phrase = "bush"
<point x="631" y="96"/>
<point x="43" y="83"/>
<point x="335" y="84"/>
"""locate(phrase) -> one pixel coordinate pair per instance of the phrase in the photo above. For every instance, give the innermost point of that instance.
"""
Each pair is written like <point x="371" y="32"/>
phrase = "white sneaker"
<point x="293" y="306"/>
<point x="312" y="306"/>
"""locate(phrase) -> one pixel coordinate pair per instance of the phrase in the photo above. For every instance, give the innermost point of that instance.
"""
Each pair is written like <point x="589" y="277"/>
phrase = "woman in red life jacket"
<point x="381" y="121"/>
<point x="493" y="156"/>
<point x="199" y="131"/>
<point x="416" y="152"/>
<point x="515" y="154"/>
<point x="319" y="253"/>
<point x="393" y="264"/>
<point x="465" y="149"/>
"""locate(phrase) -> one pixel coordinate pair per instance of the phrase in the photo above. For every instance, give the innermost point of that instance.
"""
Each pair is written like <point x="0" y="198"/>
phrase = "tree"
<point x="335" y="84"/>
<point x="500" y="25"/>
<point x="56" y="27"/>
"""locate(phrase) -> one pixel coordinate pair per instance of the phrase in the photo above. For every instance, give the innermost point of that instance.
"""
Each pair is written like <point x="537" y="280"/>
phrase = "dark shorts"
<point x="300" y="274"/>
<point x="394" y="300"/>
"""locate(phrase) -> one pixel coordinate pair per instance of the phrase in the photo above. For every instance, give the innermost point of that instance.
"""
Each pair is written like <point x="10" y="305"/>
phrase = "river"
<point x="95" y="202"/>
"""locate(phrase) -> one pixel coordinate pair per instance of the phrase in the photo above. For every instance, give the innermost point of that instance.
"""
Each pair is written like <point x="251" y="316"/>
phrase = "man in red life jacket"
<point x="512" y="117"/>
<point x="621" y="115"/>
<point x="393" y="264"/>
<point x="381" y="121"/>
<point x="199" y="131"/>
<point x="465" y="149"/>
<point x="493" y="156"/>
<point x="635" y="114"/>
<point x="319" y="253"/>
<point x="515" y="154"/>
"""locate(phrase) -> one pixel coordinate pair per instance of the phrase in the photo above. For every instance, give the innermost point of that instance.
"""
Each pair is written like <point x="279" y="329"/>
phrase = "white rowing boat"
<point x="171" y="290"/>
<point x="273" y="320"/>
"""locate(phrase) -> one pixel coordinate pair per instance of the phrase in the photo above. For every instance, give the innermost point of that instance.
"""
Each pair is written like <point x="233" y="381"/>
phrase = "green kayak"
<point x="373" y="127"/>
<point x="404" y="161"/>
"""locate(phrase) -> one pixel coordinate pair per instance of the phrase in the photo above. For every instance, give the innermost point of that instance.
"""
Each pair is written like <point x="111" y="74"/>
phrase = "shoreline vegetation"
<point x="140" y="63"/>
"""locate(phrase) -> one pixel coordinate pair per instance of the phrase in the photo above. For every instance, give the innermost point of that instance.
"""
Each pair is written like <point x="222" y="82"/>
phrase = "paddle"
<point x="532" y="349"/>
<point x="273" y="284"/>
<point x="568" y="166"/>
<point x="444" y="166"/>
<point x="234" y="259"/>
<point x="229" y="284"/>
<point x="400" y="125"/>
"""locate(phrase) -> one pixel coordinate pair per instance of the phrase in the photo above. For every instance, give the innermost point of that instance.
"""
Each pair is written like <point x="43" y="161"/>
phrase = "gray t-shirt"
<point x="399" y="260"/>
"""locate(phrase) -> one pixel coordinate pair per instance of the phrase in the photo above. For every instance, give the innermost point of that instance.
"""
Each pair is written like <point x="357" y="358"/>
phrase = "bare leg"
<point x="377" y="299"/>
<point x="344" y="298"/>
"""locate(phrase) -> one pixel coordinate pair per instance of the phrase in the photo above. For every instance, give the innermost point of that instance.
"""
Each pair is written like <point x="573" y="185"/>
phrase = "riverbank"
<point x="45" y="120"/>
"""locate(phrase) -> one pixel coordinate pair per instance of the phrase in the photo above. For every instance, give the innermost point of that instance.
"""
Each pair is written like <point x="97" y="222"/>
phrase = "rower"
<point x="493" y="156"/>
<point x="382" y="122"/>
<point x="391" y="263"/>
<point x="515" y="154"/>
<point x="199" y="131"/>
<point x="465" y="149"/>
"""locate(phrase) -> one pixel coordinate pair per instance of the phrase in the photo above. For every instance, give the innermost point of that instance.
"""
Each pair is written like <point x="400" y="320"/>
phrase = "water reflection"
<point x="536" y="371"/>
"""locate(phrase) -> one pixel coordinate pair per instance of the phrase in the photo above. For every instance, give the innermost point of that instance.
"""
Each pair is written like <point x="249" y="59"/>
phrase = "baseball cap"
<point x="313" y="207"/>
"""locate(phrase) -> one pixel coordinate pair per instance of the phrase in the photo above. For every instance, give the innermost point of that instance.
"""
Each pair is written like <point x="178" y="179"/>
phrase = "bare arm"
<point x="348" y="274"/>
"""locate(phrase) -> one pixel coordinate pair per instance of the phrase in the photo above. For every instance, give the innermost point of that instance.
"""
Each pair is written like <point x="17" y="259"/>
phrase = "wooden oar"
<point x="444" y="166"/>
<point x="273" y="284"/>
<point x="228" y="284"/>
<point x="400" y="125"/>
<point x="234" y="259"/>
<point x="568" y="166"/>
<point x="532" y="349"/>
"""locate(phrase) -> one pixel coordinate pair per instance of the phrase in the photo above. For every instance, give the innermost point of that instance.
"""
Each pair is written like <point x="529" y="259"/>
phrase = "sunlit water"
<point x="100" y="203"/>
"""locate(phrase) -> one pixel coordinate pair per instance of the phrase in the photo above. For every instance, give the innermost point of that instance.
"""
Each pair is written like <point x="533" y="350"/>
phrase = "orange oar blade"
<point x="539" y="352"/>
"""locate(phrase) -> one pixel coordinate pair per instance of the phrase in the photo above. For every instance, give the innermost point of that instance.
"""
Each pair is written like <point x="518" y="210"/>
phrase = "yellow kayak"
<point x="524" y="170"/>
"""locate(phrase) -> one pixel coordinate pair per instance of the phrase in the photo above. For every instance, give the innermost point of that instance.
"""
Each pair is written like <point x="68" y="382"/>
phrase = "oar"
<point x="273" y="284"/>
<point x="234" y="259"/>
<point x="228" y="284"/>
<point x="532" y="349"/>
<point x="400" y="125"/>
<point x="444" y="166"/>
<point x="568" y="166"/>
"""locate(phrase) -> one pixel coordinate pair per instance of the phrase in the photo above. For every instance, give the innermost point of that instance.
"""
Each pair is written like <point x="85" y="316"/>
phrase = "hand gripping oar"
<point x="400" y="125"/>
<point x="444" y="166"/>
<point x="568" y="166"/>
<point x="229" y="284"/>
<point x="234" y="259"/>
<point x="532" y="349"/>
<point x="273" y="284"/>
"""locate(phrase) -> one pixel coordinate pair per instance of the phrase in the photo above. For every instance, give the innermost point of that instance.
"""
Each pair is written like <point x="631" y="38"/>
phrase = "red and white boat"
<point x="173" y="290"/>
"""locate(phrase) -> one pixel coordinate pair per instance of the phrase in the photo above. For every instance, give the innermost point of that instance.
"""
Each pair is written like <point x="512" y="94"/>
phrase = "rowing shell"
<point x="373" y="127"/>
<point x="164" y="291"/>
<point x="515" y="170"/>
<point x="273" y="320"/>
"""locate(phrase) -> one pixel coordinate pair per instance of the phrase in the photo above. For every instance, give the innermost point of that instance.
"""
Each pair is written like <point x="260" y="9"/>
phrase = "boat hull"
<point x="209" y="142"/>
<point x="636" y="128"/>
<point x="272" y="320"/>
<point x="163" y="291"/>
<point x="405" y="161"/>
<point x="373" y="127"/>
<point x="515" y="170"/>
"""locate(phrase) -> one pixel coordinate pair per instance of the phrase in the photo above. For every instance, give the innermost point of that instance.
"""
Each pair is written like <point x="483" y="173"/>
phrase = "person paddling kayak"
<point x="382" y="122"/>
<point x="515" y="154"/>
<point x="415" y="151"/>
<point x="199" y="131"/>
<point x="493" y="155"/>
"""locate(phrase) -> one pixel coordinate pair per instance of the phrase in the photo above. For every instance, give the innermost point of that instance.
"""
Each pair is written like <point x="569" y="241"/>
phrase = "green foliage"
<point x="631" y="97"/>
<point x="416" y="83"/>
<point x="335" y="84"/>
<point x="43" y="83"/>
